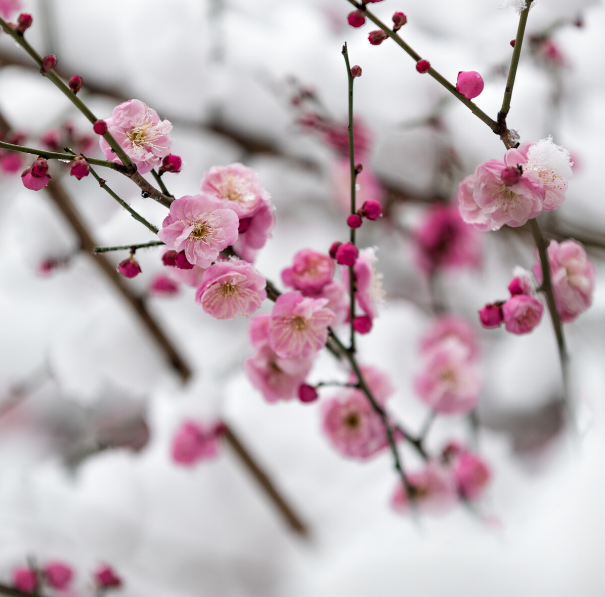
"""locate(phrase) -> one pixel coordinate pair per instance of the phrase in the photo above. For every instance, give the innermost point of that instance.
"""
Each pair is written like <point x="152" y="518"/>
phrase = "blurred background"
<point x="91" y="395"/>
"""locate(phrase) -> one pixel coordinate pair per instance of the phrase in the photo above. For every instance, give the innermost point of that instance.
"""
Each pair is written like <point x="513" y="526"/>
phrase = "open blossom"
<point x="238" y="186"/>
<point x="274" y="377"/>
<point x="194" y="442"/>
<point x="254" y="231"/>
<point x="231" y="288"/>
<point x="299" y="325"/>
<point x="433" y="491"/>
<point x="449" y="383"/>
<point x="450" y="326"/>
<point x="368" y="187"/>
<point x="522" y="313"/>
<point x="370" y="293"/>
<point x="573" y="278"/>
<point x="200" y="226"/>
<point x="354" y="429"/>
<point x="472" y="475"/>
<point x="444" y="240"/>
<point x="310" y="272"/>
<point x="140" y="133"/>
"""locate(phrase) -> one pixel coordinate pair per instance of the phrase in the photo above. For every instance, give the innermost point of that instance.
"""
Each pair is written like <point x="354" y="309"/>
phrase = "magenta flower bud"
<point x="24" y="22"/>
<point x="307" y="393"/>
<point x="347" y="254"/>
<point x="522" y="314"/>
<point x="491" y="316"/>
<point x="356" y="18"/>
<point x="129" y="268"/>
<point x="33" y="182"/>
<point x="356" y="71"/>
<point x="334" y="248"/>
<point x="377" y="37"/>
<point x="512" y="43"/>
<point x="169" y="258"/>
<point x="100" y="127"/>
<point x="470" y="84"/>
<point x="75" y="83"/>
<point x="79" y="168"/>
<point x="244" y="224"/>
<point x="399" y="20"/>
<point x="182" y="262"/>
<point x="371" y="209"/>
<point x="423" y="66"/>
<point x="171" y="163"/>
<point x="520" y="285"/>
<point x="106" y="578"/>
<point x="40" y="167"/>
<point x="58" y="575"/>
<point x="49" y="62"/>
<point x="354" y="221"/>
<point x="25" y="580"/>
<point x="362" y="324"/>
<point x="510" y="176"/>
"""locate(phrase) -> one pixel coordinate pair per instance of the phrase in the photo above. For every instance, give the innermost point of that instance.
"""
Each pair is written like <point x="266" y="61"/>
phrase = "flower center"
<point x="229" y="289"/>
<point x="299" y="323"/>
<point x="138" y="135"/>
<point x="200" y="230"/>
<point x="448" y="376"/>
<point x="352" y="421"/>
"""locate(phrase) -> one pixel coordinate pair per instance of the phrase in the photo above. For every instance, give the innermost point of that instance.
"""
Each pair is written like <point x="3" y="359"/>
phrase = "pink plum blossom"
<point x="378" y="382"/>
<point x="200" y="226"/>
<point x="237" y="186"/>
<point x="310" y="271"/>
<point x="354" y="429"/>
<point x="369" y="187"/>
<point x="573" y="278"/>
<point x="9" y="7"/>
<point x="444" y="240"/>
<point x="450" y="326"/>
<point x="140" y="133"/>
<point x="255" y="231"/>
<point x="231" y="288"/>
<point x="338" y="300"/>
<point x="276" y="378"/>
<point x="36" y="177"/>
<point x="25" y="580"/>
<point x="449" y="383"/>
<point x="370" y="294"/>
<point x="470" y="84"/>
<point x="472" y="475"/>
<point x="58" y="575"/>
<point x="433" y="491"/>
<point x="194" y="441"/>
<point x="522" y="314"/>
<point x="299" y="325"/>
<point x="469" y="210"/>
<point x="162" y="286"/>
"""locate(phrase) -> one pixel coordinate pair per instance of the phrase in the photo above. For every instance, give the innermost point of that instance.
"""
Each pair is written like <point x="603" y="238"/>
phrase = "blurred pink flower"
<point x="200" y="226"/>
<point x="338" y="300"/>
<point x="368" y="186"/>
<point x="378" y="382"/>
<point x="162" y="286"/>
<point x="231" y="288"/>
<point x="58" y="575"/>
<point x="472" y="475"/>
<point x="140" y="133"/>
<point x="369" y="294"/>
<point x="194" y="442"/>
<point x="573" y="278"/>
<point x="310" y="271"/>
<point x="10" y="162"/>
<point x="450" y="326"/>
<point x="522" y="314"/>
<point x="9" y="7"/>
<point x="254" y="232"/>
<point x="25" y="580"/>
<point x="106" y="577"/>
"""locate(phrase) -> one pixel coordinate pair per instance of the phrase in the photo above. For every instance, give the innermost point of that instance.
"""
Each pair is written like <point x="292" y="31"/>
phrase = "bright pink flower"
<point x="434" y="491"/>
<point x="299" y="325"/>
<point x="106" y="577"/>
<point x="362" y="324"/>
<point x="194" y="442"/>
<point x="257" y="232"/>
<point x="573" y="278"/>
<point x="378" y="382"/>
<point x="129" y="268"/>
<point x="369" y="187"/>
<point x="449" y="383"/>
<point x="370" y="293"/>
<point x="36" y="177"/>
<point x="354" y="429"/>
<point x="521" y="284"/>
<point x="310" y="271"/>
<point x="10" y="162"/>
<point x="25" y="580"/>
<point x="470" y="84"/>
<point x="472" y="475"/>
<point x="9" y="7"/>
<point x="450" y="326"/>
<point x="58" y="575"/>
<point x="522" y="314"/>
<point x="491" y="316"/>
<point x="231" y="288"/>
<point x="140" y="133"/>
<point x="444" y="240"/>
<point x="237" y="186"/>
<point x="200" y="226"/>
<point x="274" y="377"/>
<point x="162" y="286"/>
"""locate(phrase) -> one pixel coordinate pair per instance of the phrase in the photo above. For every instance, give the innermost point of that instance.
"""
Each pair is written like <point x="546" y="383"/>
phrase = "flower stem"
<point x="53" y="155"/>
<point x="136" y="247"/>
<point x="161" y="184"/>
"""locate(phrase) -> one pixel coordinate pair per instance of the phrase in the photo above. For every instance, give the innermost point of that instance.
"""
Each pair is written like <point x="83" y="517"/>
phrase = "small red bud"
<point x="49" y="62"/>
<point x="423" y="66"/>
<point x="39" y="167"/>
<point x="169" y="258"/>
<point x="512" y="43"/>
<point x="182" y="262"/>
<point x="362" y="325"/>
<point x="171" y="163"/>
<point x="354" y="221"/>
<point x="244" y="224"/>
<point x="347" y="254"/>
<point x="399" y="20"/>
<point x="307" y="393"/>
<point x="100" y="127"/>
<point x="356" y="71"/>
<point x="334" y="248"/>
<point x="24" y="22"/>
<point x="79" y="168"/>
<point x="356" y="18"/>
<point x="491" y="316"/>
<point x="371" y="209"/>
<point x="377" y="37"/>
<point x="75" y="83"/>
<point x="129" y="268"/>
<point x="358" y="168"/>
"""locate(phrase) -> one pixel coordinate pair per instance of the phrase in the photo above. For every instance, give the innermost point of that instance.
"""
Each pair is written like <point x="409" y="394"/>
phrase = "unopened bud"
<point x="491" y="316"/>
<point x="129" y="268"/>
<point x="100" y="127"/>
<point x="356" y="18"/>
<point x="49" y="63"/>
<point x="182" y="262"/>
<point x="423" y="66"/>
<point x="354" y="221"/>
<point x="371" y="209"/>
<point x="362" y="324"/>
<point x="334" y="248"/>
<point x="377" y="37"/>
<point x="307" y="393"/>
<point x="347" y="254"/>
<point x="399" y="20"/>
<point x="356" y="71"/>
<point x="75" y="83"/>
<point x="169" y="258"/>
<point x="171" y="163"/>
<point x="24" y="22"/>
<point x="79" y="168"/>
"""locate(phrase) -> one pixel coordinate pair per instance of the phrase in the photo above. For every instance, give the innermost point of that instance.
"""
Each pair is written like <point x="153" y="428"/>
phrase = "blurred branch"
<point x="12" y="592"/>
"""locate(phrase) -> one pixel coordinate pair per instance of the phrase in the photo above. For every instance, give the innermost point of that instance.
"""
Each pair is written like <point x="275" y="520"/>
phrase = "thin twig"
<point x="53" y="155"/>
<point x="135" y="247"/>
<point x="161" y="184"/>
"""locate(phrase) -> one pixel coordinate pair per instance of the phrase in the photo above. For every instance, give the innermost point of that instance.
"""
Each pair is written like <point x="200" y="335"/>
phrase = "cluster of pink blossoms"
<point x="530" y="179"/>
<point x="195" y="441"/>
<point x="449" y="381"/>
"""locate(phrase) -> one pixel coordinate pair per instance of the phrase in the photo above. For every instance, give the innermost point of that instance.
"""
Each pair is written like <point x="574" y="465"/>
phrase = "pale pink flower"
<point x="237" y="186"/>
<point x="10" y="162"/>
<point x="472" y="475"/>
<point x="194" y="442"/>
<point x="444" y="240"/>
<point x="274" y="377"/>
<point x="450" y="326"/>
<point x="522" y="314"/>
<point x="25" y="580"/>
<point x="9" y="7"/>
<point x="469" y="210"/>
<point x="299" y="325"/>
<point x="369" y="188"/>
<point x="200" y="226"/>
<point x="369" y="294"/>
<point x="338" y="300"/>
<point x="378" y="382"/>
<point x="140" y="133"/>
<point x="254" y="232"/>
<point x="433" y="491"/>
<point x="449" y="383"/>
<point x="58" y="575"/>
<point x="354" y="429"/>
<point x="573" y="278"/>
<point x="231" y="288"/>
<point x="310" y="271"/>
